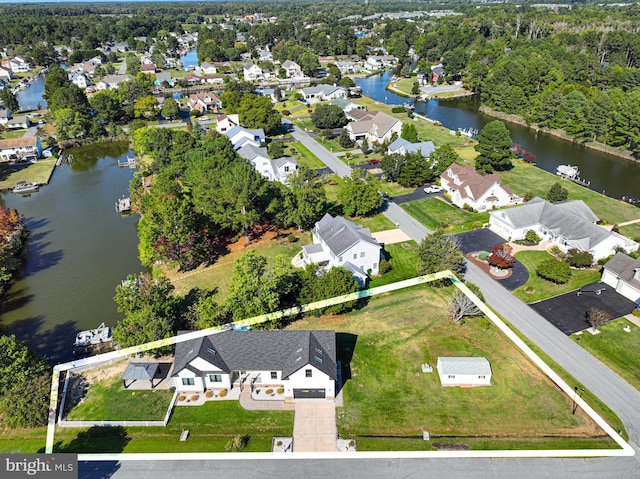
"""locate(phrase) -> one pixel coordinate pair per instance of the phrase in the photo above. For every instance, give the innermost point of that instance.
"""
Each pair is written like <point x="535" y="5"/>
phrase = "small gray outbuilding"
<point x="464" y="371"/>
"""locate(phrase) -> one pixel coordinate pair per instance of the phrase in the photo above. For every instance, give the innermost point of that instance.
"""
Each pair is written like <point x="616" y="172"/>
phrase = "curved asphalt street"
<point x="598" y="380"/>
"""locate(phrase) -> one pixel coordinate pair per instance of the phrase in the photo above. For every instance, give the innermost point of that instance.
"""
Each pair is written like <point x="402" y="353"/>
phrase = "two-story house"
<point x="375" y="126"/>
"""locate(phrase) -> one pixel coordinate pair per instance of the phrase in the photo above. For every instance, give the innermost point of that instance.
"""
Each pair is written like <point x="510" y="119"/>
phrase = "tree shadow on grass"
<point x="96" y="440"/>
<point x="345" y="345"/>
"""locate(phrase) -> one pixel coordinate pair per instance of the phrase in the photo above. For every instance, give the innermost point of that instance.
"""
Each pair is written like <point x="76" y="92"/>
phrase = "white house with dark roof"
<point x="340" y="242"/>
<point x="467" y="187"/>
<point x="253" y="72"/>
<point x="19" y="65"/>
<point x="622" y="272"/>
<point x="301" y="362"/>
<point x="240" y="136"/>
<point x="347" y="105"/>
<point x="79" y="79"/>
<point x="464" y="371"/>
<point x="375" y="126"/>
<point x="568" y="225"/>
<point x="273" y="170"/>
<point x="402" y="147"/>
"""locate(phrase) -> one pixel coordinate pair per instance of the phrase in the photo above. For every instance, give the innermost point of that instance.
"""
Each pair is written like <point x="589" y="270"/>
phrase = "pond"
<point x="79" y="250"/>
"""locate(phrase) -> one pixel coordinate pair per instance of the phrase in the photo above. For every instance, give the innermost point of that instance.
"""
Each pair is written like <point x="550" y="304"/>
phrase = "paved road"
<point x="595" y="376"/>
<point x="328" y="158"/>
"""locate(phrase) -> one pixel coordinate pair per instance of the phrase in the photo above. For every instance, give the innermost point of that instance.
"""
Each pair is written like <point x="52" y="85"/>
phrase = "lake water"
<point x="30" y="98"/>
<point x="190" y="59"/>
<point x="613" y="175"/>
<point x="79" y="250"/>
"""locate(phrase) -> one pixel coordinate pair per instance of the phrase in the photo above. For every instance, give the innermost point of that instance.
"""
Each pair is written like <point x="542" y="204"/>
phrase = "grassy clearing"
<point x="218" y="275"/>
<point x="616" y="348"/>
<point x="403" y="86"/>
<point x="402" y="258"/>
<point x="375" y="223"/>
<point x="524" y="177"/>
<point x="388" y="395"/>
<point x="541" y="288"/>
<point x="38" y="172"/>
<point x="10" y="134"/>
<point x="435" y="213"/>
<point x="106" y="399"/>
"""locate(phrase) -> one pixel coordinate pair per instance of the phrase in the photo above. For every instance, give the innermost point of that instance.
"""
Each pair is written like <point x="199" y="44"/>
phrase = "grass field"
<point x="616" y="348"/>
<point x="38" y="172"/>
<point x="375" y="223"/>
<point x="541" y="288"/>
<point x="524" y="177"/>
<point x="435" y="213"/>
<point x="387" y="395"/>
<point x="107" y="400"/>
<point x="402" y="258"/>
<point x="304" y="157"/>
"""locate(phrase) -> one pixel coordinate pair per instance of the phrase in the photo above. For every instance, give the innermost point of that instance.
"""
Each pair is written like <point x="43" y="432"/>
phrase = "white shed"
<point x="464" y="371"/>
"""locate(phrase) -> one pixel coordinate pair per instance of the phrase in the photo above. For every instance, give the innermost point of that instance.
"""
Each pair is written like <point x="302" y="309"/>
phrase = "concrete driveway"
<point x="314" y="426"/>
<point x="391" y="236"/>
<point x="483" y="240"/>
<point x="567" y="312"/>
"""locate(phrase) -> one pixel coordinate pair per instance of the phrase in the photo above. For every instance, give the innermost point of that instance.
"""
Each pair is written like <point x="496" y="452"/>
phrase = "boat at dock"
<point x="130" y="162"/>
<point x="123" y="204"/>
<point x="92" y="337"/>
<point x="571" y="173"/>
<point x="468" y="132"/>
<point x="24" y="187"/>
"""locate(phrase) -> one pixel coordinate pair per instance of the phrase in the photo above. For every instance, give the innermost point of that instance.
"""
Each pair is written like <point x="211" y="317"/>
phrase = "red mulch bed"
<point x="486" y="268"/>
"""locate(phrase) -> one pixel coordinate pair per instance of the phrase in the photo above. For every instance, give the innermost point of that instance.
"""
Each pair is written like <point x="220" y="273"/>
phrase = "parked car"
<point x="433" y="189"/>
<point x="373" y="162"/>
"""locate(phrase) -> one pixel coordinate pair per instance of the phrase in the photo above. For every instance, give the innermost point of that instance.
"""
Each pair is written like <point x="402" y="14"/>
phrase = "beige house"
<point x="375" y="126"/>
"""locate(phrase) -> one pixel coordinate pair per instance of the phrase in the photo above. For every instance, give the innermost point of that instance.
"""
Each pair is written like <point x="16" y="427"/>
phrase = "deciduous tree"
<point x="328" y="116"/>
<point x="439" y="252"/>
<point x="359" y="193"/>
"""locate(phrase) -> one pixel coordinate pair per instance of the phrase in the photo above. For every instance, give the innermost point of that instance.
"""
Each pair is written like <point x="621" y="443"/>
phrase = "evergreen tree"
<point x="494" y="146"/>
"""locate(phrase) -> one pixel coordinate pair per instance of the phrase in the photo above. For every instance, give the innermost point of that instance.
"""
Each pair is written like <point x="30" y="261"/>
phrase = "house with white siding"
<point x="111" y="82"/>
<point x="466" y="187"/>
<point x="622" y="272"/>
<point x="322" y="92"/>
<point x="292" y="69"/>
<point x="340" y="242"/>
<point x="19" y="149"/>
<point x="19" y="65"/>
<point x="240" y="136"/>
<point x="226" y="122"/>
<point x="567" y="224"/>
<point x="403" y="147"/>
<point x="303" y="363"/>
<point x="279" y="169"/>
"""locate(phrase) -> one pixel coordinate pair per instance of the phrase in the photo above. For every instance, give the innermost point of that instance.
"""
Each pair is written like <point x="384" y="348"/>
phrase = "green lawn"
<point x="541" y="288"/>
<point x="375" y="223"/>
<point x="387" y="395"/>
<point x="38" y="172"/>
<point x="304" y="157"/>
<point x="106" y="399"/>
<point x="218" y="275"/>
<point x="402" y="258"/>
<point x="616" y="348"/>
<point x="210" y="427"/>
<point x="435" y="213"/>
<point x="9" y="134"/>
<point x="524" y="177"/>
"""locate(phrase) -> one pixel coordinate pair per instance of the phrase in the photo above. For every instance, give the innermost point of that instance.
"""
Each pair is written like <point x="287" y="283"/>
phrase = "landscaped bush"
<point x="195" y="397"/>
<point x="223" y="393"/>
<point x="280" y="390"/>
<point x="237" y="443"/>
<point x="209" y="394"/>
<point x="483" y="255"/>
<point x="181" y="398"/>
<point x="384" y="266"/>
<point x="530" y="239"/>
<point x="500" y="257"/>
<point x="553" y="270"/>
<point x="579" y="259"/>
<point x="269" y="391"/>
<point x="398" y="109"/>
<point x="286" y="113"/>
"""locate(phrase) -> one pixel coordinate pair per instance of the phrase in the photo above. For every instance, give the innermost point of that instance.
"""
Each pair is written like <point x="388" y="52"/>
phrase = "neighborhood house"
<point x="466" y="187"/>
<point x="20" y="149"/>
<point x="403" y="147"/>
<point x="464" y="372"/>
<point x="340" y="242"/>
<point x="374" y="126"/>
<point x="568" y="224"/>
<point x="622" y="272"/>
<point x="301" y="362"/>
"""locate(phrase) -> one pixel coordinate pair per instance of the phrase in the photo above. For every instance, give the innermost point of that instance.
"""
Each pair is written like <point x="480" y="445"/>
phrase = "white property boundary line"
<point x="625" y="448"/>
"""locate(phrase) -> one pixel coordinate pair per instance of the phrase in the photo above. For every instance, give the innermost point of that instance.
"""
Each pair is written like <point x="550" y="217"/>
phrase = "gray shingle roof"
<point x="625" y="267"/>
<point x="570" y="219"/>
<point x="425" y="147"/>
<point x="339" y="234"/>
<point x="454" y="366"/>
<point x="275" y="350"/>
